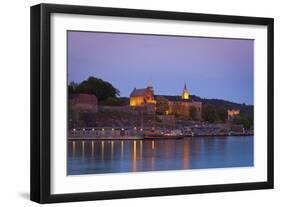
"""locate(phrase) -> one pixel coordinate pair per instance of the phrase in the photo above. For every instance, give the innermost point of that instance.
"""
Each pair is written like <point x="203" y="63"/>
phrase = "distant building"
<point x="142" y="96"/>
<point x="232" y="113"/>
<point x="83" y="103"/>
<point x="183" y="107"/>
<point x="178" y="105"/>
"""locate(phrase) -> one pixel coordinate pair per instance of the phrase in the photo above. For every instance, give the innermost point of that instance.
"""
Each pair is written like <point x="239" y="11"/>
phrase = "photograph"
<point x="151" y="102"/>
<point x="132" y="103"/>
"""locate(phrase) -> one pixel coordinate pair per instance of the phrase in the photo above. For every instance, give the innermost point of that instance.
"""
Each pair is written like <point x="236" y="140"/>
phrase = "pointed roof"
<point x="138" y="92"/>
<point x="185" y="88"/>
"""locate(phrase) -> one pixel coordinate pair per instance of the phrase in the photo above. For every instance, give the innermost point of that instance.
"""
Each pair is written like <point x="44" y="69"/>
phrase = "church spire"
<point x="185" y="93"/>
<point x="149" y="85"/>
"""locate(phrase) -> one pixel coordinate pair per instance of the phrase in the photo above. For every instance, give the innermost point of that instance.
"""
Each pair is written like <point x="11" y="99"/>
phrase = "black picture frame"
<point x="41" y="95"/>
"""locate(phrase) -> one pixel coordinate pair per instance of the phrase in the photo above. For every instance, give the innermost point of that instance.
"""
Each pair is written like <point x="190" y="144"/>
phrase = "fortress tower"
<point x="185" y="93"/>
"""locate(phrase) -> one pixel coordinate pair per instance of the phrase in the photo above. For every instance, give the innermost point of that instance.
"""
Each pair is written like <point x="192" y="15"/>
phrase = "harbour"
<point x="128" y="133"/>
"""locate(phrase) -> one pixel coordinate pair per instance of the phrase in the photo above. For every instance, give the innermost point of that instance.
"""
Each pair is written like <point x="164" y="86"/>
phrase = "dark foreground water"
<point x="91" y="157"/>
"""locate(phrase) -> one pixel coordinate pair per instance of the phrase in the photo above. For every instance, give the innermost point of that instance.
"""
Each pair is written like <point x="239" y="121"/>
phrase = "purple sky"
<point x="211" y="67"/>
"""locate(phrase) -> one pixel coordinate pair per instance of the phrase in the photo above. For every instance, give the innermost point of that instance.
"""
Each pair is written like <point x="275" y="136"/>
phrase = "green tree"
<point x="162" y="105"/>
<point x="72" y="87"/>
<point x="246" y="121"/>
<point x="102" y="89"/>
<point x="73" y="118"/>
<point x="193" y="112"/>
<point x="112" y="102"/>
<point x="209" y="113"/>
<point x="222" y="114"/>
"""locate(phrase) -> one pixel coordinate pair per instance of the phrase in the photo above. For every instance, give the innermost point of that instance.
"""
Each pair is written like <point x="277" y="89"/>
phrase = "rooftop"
<point x="138" y="92"/>
<point x="174" y="98"/>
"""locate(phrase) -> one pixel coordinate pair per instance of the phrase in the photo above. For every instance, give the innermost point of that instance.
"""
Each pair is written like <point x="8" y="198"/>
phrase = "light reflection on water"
<point x="91" y="157"/>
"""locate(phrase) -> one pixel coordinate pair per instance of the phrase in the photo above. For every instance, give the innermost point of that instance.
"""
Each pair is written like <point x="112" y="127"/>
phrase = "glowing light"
<point x="140" y="149"/>
<point x="185" y="159"/>
<point x="112" y="149"/>
<point x="136" y="101"/>
<point x="135" y="150"/>
<point x="185" y="93"/>
<point x="232" y="113"/>
<point x="102" y="149"/>
<point x="83" y="149"/>
<point x="73" y="148"/>
<point x="93" y="148"/>
<point x="134" y="164"/>
<point x="122" y="149"/>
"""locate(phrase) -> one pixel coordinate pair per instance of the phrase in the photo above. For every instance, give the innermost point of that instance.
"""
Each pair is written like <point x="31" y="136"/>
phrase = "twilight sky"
<point x="211" y="67"/>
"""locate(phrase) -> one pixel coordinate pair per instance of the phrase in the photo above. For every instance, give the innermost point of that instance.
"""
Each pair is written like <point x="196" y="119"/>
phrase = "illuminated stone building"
<point x="140" y="97"/>
<point x="182" y="107"/>
<point x="178" y="105"/>
<point x="232" y="113"/>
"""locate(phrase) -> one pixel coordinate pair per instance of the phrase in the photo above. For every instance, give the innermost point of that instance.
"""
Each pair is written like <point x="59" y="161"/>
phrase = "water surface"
<point x="92" y="157"/>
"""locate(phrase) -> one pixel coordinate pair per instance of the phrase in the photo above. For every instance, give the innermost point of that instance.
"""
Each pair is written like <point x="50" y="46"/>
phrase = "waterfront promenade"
<point x="128" y="133"/>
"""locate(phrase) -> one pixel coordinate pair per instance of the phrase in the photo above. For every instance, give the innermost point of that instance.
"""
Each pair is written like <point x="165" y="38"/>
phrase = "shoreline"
<point x="158" y="138"/>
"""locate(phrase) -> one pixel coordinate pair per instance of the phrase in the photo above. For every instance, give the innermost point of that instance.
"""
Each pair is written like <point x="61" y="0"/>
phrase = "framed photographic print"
<point x="132" y="103"/>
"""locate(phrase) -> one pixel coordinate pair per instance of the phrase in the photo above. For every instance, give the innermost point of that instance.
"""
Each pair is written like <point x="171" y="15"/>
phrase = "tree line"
<point x="212" y="115"/>
<point x="105" y="92"/>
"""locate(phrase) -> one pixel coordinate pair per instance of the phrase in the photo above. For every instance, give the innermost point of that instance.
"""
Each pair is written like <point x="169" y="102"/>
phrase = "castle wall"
<point x="84" y="103"/>
<point x="183" y="108"/>
<point x="198" y="106"/>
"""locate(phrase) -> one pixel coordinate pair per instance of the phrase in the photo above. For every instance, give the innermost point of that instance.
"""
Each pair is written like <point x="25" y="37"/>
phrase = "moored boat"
<point x="163" y="135"/>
